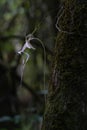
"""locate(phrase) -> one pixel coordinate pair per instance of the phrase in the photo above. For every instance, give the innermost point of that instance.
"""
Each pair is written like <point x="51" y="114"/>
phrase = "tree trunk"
<point x="66" y="107"/>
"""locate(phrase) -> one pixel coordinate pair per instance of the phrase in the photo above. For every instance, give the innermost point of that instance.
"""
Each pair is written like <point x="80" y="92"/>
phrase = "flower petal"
<point x="28" y="44"/>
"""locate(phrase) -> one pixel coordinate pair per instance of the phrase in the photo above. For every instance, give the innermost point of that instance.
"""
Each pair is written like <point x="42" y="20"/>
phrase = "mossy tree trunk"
<point x="66" y="107"/>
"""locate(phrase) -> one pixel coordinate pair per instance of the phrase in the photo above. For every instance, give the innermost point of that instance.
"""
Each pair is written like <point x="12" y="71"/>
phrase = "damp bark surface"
<point x="66" y="107"/>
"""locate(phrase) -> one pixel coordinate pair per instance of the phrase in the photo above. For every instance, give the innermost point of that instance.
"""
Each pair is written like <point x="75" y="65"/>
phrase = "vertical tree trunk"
<point x="66" y="107"/>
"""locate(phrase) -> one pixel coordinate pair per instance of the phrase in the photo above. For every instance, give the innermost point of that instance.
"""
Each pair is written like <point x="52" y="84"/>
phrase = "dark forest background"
<point x="23" y="107"/>
<point x="60" y="102"/>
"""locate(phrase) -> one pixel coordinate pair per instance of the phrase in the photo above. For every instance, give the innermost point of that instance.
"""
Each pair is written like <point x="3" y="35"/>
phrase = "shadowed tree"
<point x="66" y="107"/>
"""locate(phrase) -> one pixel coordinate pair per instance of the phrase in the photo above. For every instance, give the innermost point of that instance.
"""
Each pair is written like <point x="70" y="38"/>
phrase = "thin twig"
<point x="61" y="12"/>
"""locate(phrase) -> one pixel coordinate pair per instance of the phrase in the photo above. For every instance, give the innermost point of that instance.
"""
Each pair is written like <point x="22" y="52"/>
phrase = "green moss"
<point x="67" y="98"/>
<point x="71" y="18"/>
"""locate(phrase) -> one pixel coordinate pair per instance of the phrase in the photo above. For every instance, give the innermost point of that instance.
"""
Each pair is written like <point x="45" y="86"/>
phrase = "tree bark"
<point x="66" y="107"/>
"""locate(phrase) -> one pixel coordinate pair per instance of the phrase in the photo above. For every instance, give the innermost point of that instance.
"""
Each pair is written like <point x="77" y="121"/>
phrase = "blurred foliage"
<point x="17" y="19"/>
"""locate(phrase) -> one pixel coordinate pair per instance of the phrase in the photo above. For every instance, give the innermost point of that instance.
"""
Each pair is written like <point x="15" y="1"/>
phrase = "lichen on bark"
<point x="66" y="107"/>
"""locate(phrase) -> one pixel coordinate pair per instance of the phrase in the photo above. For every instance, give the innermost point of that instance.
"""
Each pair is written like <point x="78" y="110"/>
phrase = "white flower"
<point x="26" y="45"/>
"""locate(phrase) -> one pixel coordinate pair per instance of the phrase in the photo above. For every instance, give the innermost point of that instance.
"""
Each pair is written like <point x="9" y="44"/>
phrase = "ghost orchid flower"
<point x="26" y="45"/>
